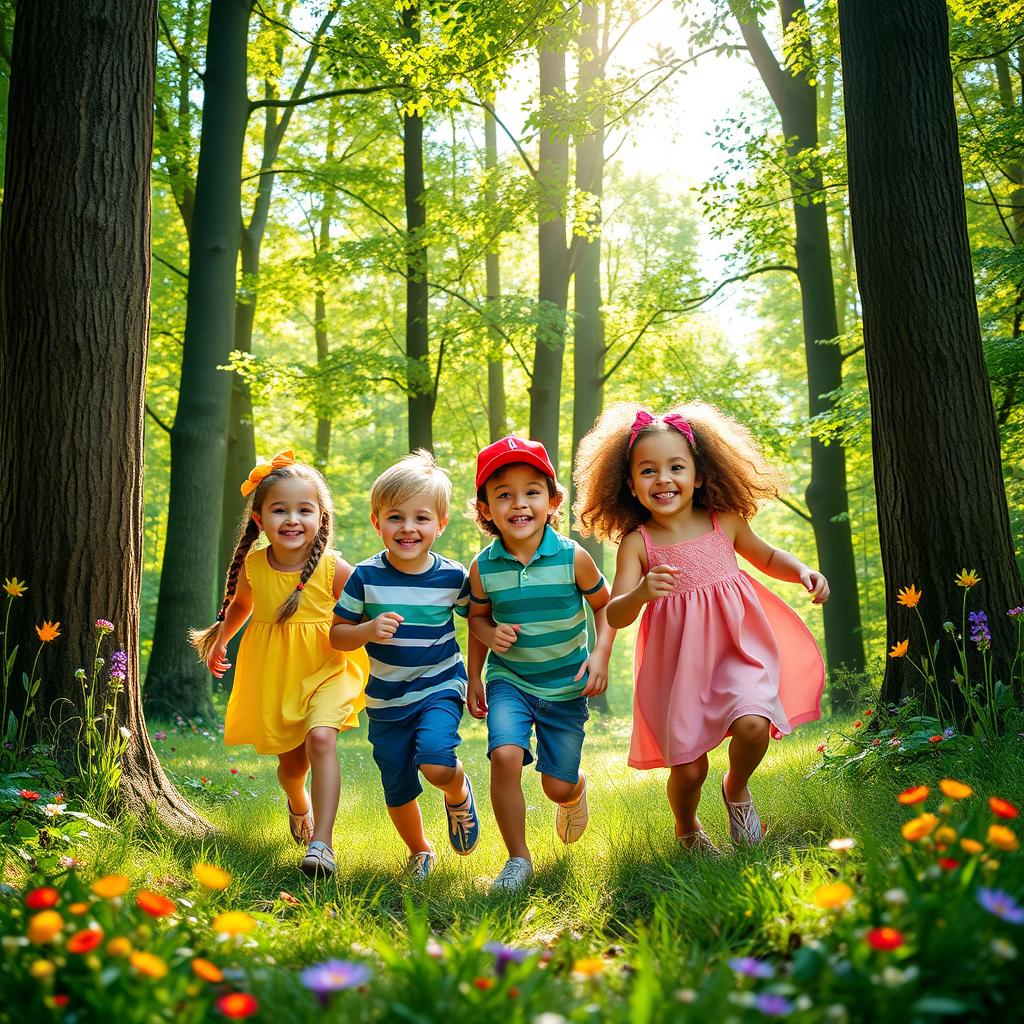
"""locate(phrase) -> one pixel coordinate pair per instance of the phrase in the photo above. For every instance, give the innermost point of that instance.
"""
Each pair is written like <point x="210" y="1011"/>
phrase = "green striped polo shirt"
<point x="542" y="598"/>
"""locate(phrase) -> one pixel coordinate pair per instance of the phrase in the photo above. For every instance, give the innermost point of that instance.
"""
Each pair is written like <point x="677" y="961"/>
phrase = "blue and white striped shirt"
<point x="422" y="660"/>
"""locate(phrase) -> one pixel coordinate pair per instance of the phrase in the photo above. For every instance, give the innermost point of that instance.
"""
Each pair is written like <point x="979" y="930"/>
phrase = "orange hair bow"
<point x="263" y="469"/>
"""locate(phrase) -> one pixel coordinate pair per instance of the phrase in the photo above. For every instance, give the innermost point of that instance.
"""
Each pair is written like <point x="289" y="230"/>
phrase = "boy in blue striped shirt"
<point x="527" y="594"/>
<point x="400" y="605"/>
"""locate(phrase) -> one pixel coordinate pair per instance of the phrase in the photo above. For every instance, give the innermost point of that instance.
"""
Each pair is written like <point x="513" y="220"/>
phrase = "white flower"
<point x="842" y="845"/>
<point x="1003" y="949"/>
<point x="125" y="732"/>
<point x="686" y="995"/>
<point x="549" y="1018"/>
<point x="54" y="809"/>
<point x="837" y="1013"/>
<point x="895" y="897"/>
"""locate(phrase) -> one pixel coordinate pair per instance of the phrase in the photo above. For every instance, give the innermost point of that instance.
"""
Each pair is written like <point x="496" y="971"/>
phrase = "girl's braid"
<point x="291" y="603"/>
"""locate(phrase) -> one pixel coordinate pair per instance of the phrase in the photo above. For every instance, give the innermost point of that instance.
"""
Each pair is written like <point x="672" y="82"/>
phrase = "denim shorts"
<point x="513" y="714"/>
<point x="428" y="735"/>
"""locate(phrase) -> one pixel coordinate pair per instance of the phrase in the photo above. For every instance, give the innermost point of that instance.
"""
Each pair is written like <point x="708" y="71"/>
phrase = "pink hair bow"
<point x="645" y="419"/>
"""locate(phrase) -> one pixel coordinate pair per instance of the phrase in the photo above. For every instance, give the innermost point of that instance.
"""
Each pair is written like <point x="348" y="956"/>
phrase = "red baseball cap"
<point x="508" y="450"/>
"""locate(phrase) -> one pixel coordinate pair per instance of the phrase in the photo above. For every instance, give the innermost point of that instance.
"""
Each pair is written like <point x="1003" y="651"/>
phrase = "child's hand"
<point x="476" y="699"/>
<point x="218" y="662"/>
<point x="597" y="666"/>
<point x="504" y="637"/>
<point x="660" y="581"/>
<point x="816" y="584"/>
<point x="386" y="625"/>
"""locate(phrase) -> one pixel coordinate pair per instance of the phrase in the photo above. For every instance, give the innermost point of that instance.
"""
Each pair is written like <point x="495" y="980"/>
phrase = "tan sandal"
<point x="698" y="841"/>
<point x="301" y="825"/>
<point x="745" y="826"/>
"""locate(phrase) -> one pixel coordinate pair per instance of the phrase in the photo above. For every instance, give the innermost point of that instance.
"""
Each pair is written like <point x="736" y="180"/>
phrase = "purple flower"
<point x="979" y="629"/>
<point x="104" y="626"/>
<point x="1016" y="613"/>
<point x="772" y="1005"/>
<point x="1002" y="904"/>
<point x="333" y="976"/>
<point x="752" y="967"/>
<point x="948" y="733"/>
<point x="118" y="665"/>
<point x="505" y="955"/>
<point x="161" y="736"/>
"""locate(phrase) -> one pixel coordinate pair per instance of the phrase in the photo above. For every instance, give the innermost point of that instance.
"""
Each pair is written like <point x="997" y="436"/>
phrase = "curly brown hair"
<point x="734" y="472"/>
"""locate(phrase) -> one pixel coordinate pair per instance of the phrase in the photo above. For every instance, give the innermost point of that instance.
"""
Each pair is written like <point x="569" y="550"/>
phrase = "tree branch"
<point x="156" y="419"/>
<point x="772" y="74"/>
<point x="853" y="351"/>
<point x="170" y="266"/>
<point x="362" y="90"/>
<point x="795" y="508"/>
<point x="501" y="124"/>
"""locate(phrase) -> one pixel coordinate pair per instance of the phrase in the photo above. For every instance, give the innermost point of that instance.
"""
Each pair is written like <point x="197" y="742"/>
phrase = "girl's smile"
<point x="290" y="517"/>
<point x="663" y="472"/>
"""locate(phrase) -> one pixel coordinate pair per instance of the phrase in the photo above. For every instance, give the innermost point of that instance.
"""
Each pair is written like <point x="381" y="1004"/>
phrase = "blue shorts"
<point x="428" y="735"/>
<point x="513" y="714"/>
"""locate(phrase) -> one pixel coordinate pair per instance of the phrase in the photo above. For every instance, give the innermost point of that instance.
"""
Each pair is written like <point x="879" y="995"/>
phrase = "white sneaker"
<point x="571" y="819"/>
<point x="514" y="875"/>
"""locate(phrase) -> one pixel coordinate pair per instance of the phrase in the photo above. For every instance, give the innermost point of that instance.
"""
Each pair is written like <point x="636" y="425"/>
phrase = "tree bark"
<point x="497" y="408"/>
<point x="938" y="478"/>
<point x="796" y="100"/>
<point x="190" y="580"/>
<point x="74" y="317"/>
<point x="417" y="337"/>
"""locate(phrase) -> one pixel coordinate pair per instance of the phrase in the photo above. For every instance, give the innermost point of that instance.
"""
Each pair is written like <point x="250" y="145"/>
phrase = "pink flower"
<point x="821" y="748"/>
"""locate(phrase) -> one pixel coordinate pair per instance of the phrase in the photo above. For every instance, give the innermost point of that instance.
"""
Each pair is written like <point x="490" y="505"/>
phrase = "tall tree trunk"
<point x="827" y="501"/>
<point x="553" y="253"/>
<point x="190" y="580"/>
<point x="497" y="410"/>
<point x="417" y="338"/>
<point x="74" y="316"/>
<point x="941" y="502"/>
<point x="321" y="245"/>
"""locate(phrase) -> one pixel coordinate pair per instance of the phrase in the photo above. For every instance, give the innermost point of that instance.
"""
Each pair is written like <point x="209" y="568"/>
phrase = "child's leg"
<point x="408" y="824"/>
<point x="750" y="735"/>
<point x="437" y="736"/>
<point x="393" y="745"/>
<point x="325" y="791"/>
<point x="451" y="780"/>
<point x="560" y="733"/>
<point x="507" y="800"/>
<point x="292" y="769"/>
<point x="684" y="784"/>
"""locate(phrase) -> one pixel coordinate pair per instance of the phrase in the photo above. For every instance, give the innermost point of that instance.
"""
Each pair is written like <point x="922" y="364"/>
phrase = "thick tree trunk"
<point x="497" y="409"/>
<point x="417" y="338"/>
<point x="190" y="578"/>
<point x="941" y="502"/>
<point x="74" y="292"/>
<point x="553" y="255"/>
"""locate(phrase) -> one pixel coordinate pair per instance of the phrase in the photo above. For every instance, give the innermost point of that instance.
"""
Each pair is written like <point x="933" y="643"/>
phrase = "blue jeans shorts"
<point x="513" y="714"/>
<point x="428" y="735"/>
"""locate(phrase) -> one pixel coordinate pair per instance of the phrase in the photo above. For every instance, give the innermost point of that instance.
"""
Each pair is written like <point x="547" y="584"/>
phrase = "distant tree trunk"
<point x="941" y="502"/>
<point x="74" y="312"/>
<point x="553" y="253"/>
<point x="497" y="414"/>
<point x="827" y="501"/>
<point x="190" y="578"/>
<point x="417" y="337"/>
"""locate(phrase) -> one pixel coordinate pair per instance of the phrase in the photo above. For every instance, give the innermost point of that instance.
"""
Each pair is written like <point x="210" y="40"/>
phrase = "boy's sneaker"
<point x="319" y="860"/>
<point x="419" y="865"/>
<point x="744" y="821"/>
<point x="463" y="824"/>
<point x="571" y="819"/>
<point x="514" y="875"/>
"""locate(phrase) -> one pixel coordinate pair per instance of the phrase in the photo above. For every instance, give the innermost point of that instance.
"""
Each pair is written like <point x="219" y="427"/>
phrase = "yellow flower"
<point x="211" y="877"/>
<point x="967" y="578"/>
<point x="233" y="922"/>
<point x="119" y="946"/>
<point x="955" y="790"/>
<point x="945" y="835"/>
<point x="41" y="969"/>
<point x="109" y="887"/>
<point x="48" y="631"/>
<point x="588" y="967"/>
<point x="148" y="964"/>
<point x="833" y="896"/>
<point x="908" y="596"/>
<point x="971" y="846"/>
<point x="44" y="927"/>
<point x="1002" y="838"/>
<point x="898" y="650"/>
<point x="16" y="588"/>
<point x="918" y="828"/>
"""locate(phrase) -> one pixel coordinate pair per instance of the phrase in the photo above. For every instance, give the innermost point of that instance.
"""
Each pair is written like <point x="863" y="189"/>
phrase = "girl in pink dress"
<point x="717" y="653"/>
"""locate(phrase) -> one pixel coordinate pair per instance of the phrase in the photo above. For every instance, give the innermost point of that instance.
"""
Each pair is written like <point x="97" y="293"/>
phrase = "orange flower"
<point x="233" y="922"/>
<point x="148" y="964"/>
<point x="44" y="927"/>
<point x="885" y="938"/>
<point x="483" y="983"/>
<point x="154" y="904"/>
<point x="78" y="909"/>
<point x="971" y="846"/>
<point x="857" y="724"/>
<point x="833" y="896"/>
<point x="914" y="795"/>
<point x="48" y="631"/>
<point x="109" y="887"/>
<point x="42" y="898"/>
<point x="967" y="578"/>
<point x="898" y="650"/>
<point x="119" y="946"/>
<point x="211" y="877"/>
<point x="206" y="970"/>
<point x="918" y="828"/>
<point x="955" y="790"/>
<point x="588" y="967"/>
<point x="85" y="941"/>
<point x="1002" y="838"/>
<point x="945" y="835"/>
<point x="1002" y="808"/>
<point x="908" y="596"/>
<point x="237" y="1005"/>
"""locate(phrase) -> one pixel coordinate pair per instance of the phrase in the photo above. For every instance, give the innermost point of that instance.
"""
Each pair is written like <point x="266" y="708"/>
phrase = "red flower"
<point x="513" y="992"/>
<point x="42" y="898"/>
<point x="875" y="742"/>
<point x="857" y="724"/>
<point x="885" y="938"/>
<point x="203" y="779"/>
<point x="237" y="1005"/>
<point x="85" y="941"/>
<point x="28" y="794"/>
<point x="61" y="1000"/>
<point x="948" y="864"/>
<point x="483" y="983"/>
<point x="821" y="748"/>
<point x="868" y="712"/>
<point x="234" y="771"/>
<point x="1002" y="808"/>
<point x="913" y="795"/>
<point x="934" y="739"/>
<point x="154" y="904"/>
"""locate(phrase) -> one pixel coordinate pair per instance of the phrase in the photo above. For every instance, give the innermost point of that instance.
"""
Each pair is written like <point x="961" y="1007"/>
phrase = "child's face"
<point x="518" y="502"/>
<point x="408" y="531"/>
<point x="663" y="472"/>
<point x="290" y="515"/>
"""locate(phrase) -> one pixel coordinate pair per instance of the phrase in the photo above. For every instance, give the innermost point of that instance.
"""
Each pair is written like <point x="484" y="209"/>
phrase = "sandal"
<point x="301" y="825"/>
<point x="744" y="821"/>
<point x="698" y="841"/>
<point x="319" y="860"/>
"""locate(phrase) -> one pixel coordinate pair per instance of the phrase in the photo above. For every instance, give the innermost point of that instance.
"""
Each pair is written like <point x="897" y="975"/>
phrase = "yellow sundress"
<point x="288" y="678"/>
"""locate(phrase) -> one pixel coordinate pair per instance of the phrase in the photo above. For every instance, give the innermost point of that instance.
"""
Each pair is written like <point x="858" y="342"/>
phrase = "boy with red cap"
<point x="527" y="590"/>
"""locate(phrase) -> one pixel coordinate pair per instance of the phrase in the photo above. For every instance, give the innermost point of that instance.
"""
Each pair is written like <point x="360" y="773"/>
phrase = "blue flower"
<point x="333" y="976"/>
<point x="773" y="1005"/>
<point x="979" y="628"/>
<point x="751" y="967"/>
<point x="1002" y="904"/>
<point x="505" y="955"/>
<point x="948" y="733"/>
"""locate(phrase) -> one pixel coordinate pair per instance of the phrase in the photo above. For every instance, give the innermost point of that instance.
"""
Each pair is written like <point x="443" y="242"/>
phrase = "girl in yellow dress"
<point x="292" y="692"/>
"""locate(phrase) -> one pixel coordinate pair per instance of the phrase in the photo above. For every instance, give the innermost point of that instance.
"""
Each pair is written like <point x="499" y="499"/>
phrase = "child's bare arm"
<point x="238" y="610"/>
<point x="595" y="589"/>
<point x="350" y="636"/>
<point x="481" y="624"/>
<point x="633" y="588"/>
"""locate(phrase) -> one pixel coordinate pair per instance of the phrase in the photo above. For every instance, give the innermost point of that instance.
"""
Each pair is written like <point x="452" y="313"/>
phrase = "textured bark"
<point x="497" y="414"/>
<point x="941" y="501"/>
<point x="74" y="317"/>
<point x="190" y="580"/>
<point x="796" y="100"/>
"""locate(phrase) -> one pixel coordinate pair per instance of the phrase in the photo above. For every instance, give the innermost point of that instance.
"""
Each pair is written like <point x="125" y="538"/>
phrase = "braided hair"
<point x="204" y="640"/>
